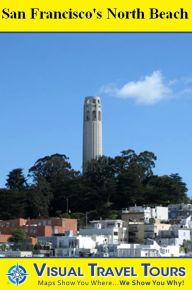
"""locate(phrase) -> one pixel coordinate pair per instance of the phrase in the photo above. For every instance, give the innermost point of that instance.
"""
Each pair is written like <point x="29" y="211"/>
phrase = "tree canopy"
<point x="108" y="185"/>
<point x="16" y="179"/>
<point x="18" y="236"/>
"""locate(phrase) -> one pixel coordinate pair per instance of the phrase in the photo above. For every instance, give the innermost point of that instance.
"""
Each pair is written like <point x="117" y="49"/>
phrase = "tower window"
<point x="94" y="115"/>
<point x="88" y="116"/>
<point x="99" y="117"/>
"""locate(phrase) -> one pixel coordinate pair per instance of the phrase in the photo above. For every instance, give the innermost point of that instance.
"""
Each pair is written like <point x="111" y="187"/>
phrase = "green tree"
<point x="3" y="247"/>
<point x="100" y="182"/>
<point x="56" y="173"/>
<point x="18" y="236"/>
<point x="107" y="185"/>
<point x="167" y="189"/>
<point x="129" y="190"/>
<point x="50" y="167"/>
<point x="16" y="179"/>
<point x="39" y="199"/>
<point x="142" y="164"/>
<point x="132" y="171"/>
<point x="13" y="203"/>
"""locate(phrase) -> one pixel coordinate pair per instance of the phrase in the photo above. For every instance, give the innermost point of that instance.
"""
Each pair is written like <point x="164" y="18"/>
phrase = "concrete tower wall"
<point x="92" y="129"/>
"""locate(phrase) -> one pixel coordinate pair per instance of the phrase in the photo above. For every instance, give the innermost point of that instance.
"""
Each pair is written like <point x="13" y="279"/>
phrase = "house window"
<point x="60" y="223"/>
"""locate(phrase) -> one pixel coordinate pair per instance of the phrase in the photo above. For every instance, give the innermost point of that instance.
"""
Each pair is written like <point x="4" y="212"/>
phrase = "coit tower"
<point x="92" y="129"/>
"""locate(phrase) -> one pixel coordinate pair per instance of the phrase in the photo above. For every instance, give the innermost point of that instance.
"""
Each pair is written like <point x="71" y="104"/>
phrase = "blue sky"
<point x="145" y="85"/>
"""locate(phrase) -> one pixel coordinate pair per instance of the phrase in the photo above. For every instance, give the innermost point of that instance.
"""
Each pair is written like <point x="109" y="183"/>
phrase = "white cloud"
<point x="150" y="90"/>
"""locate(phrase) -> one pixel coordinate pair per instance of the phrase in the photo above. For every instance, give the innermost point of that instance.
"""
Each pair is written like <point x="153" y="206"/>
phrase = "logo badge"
<point x="17" y="274"/>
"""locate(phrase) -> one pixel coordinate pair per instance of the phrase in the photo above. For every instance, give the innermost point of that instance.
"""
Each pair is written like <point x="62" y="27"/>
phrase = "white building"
<point x="112" y="230"/>
<point x="80" y="246"/>
<point x="74" y="246"/>
<point x="137" y="250"/>
<point x="160" y="213"/>
<point x="144" y="214"/>
<point x="16" y="254"/>
<point x="180" y="210"/>
<point x="174" y="236"/>
<point x="186" y="222"/>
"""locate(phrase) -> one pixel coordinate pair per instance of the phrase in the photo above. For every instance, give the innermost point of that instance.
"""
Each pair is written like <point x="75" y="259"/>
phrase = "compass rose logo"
<point x="17" y="274"/>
